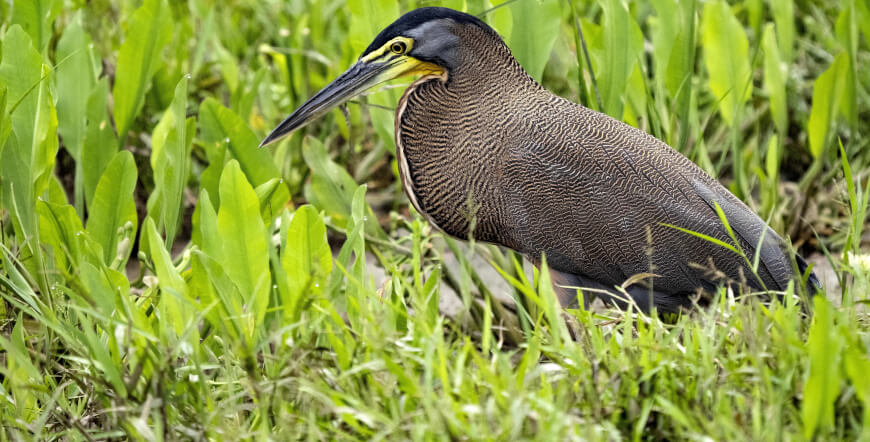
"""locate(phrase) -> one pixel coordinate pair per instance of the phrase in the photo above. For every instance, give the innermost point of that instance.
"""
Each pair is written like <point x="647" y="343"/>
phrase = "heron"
<point x="485" y="151"/>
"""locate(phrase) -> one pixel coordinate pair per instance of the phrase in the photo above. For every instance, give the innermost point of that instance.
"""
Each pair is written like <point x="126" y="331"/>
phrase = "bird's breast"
<point x="449" y="160"/>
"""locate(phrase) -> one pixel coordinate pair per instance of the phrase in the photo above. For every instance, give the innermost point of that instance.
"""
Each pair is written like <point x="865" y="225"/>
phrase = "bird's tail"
<point x="813" y="283"/>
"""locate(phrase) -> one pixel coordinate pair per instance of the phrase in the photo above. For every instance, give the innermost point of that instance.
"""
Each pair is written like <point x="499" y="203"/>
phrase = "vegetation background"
<point x="162" y="278"/>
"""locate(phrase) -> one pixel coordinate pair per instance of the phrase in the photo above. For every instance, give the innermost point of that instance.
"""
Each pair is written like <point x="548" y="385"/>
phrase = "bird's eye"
<point x="398" y="47"/>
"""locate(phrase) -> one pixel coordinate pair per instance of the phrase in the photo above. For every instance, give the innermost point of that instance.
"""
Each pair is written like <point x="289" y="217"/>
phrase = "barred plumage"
<point x="483" y="147"/>
<point x="542" y="175"/>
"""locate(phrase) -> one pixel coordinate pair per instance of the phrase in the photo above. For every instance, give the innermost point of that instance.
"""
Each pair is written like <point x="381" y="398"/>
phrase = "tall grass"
<point x="162" y="278"/>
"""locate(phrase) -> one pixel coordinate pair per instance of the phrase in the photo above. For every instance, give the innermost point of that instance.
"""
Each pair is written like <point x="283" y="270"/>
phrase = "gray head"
<point x="421" y="42"/>
<point x="433" y="33"/>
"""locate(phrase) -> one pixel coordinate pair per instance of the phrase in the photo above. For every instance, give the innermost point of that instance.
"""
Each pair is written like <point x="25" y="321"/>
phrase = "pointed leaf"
<point x="726" y="55"/>
<point x="828" y="90"/>
<point x="170" y="160"/>
<point x="306" y="258"/>
<point x="243" y="236"/>
<point x="539" y="21"/>
<point x="75" y="79"/>
<point x="100" y="144"/>
<point x="823" y="383"/>
<point x="220" y="126"/>
<point x="623" y="42"/>
<point x="173" y="304"/>
<point x="113" y="207"/>
<point x="775" y="76"/>
<point x="147" y="33"/>
<point x="30" y="150"/>
<point x="784" y="17"/>
<point x="36" y="17"/>
<point x="60" y="229"/>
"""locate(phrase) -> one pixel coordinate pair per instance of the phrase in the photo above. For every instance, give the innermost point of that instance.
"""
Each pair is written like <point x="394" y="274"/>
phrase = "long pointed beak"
<point x="361" y="76"/>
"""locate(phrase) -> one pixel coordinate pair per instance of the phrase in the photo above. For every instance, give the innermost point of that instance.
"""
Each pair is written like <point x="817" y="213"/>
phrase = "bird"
<point x="485" y="151"/>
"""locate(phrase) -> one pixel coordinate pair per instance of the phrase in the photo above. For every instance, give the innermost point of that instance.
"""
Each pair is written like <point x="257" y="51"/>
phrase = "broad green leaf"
<point x="775" y="77"/>
<point x="36" y="17"/>
<point x="352" y="258"/>
<point x="100" y="144"/>
<point x="205" y="36"/>
<point x="862" y="9"/>
<point x="681" y="68"/>
<point x="217" y="155"/>
<point x="306" y="259"/>
<point x="857" y="365"/>
<point x="163" y="85"/>
<point x="635" y="98"/>
<point x="228" y="67"/>
<point x="754" y="11"/>
<point x="828" y="90"/>
<point x="113" y="208"/>
<point x="147" y="33"/>
<point x="668" y="41"/>
<point x="539" y="21"/>
<point x="100" y="289"/>
<point x="427" y="309"/>
<point x="550" y="302"/>
<point x="75" y="79"/>
<point x="770" y="177"/>
<point x="847" y="33"/>
<point x="243" y="238"/>
<point x="771" y="160"/>
<point x="331" y="188"/>
<point x="369" y="18"/>
<point x="726" y="56"/>
<point x="55" y="192"/>
<point x="235" y="319"/>
<point x="265" y="192"/>
<point x="222" y="129"/>
<point x="823" y="383"/>
<point x="5" y="125"/>
<point x="174" y="299"/>
<point x="30" y="149"/>
<point x="501" y="19"/>
<point x="356" y="233"/>
<point x="623" y="42"/>
<point x="208" y="277"/>
<point x="60" y="229"/>
<point x="783" y="17"/>
<point x="205" y="236"/>
<point x="171" y="143"/>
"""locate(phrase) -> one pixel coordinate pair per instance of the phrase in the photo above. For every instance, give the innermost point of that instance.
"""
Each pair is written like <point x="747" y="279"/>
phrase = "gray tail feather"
<point x="813" y="283"/>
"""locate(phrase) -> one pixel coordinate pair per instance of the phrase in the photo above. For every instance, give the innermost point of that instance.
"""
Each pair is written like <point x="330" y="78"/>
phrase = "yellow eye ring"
<point x="398" y="47"/>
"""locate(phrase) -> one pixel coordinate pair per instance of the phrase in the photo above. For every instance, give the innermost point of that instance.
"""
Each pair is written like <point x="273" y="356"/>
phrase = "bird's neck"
<point x="448" y="135"/>
<point x="486" y="64"/>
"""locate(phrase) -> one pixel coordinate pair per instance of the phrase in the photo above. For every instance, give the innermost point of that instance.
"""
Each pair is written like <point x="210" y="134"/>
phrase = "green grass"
<point x="162" y="278"/>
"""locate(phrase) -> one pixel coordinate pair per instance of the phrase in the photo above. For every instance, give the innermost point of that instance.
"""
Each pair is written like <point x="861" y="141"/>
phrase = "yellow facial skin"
<point x="405" y="65"/>
<point x="388" y="62"/>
